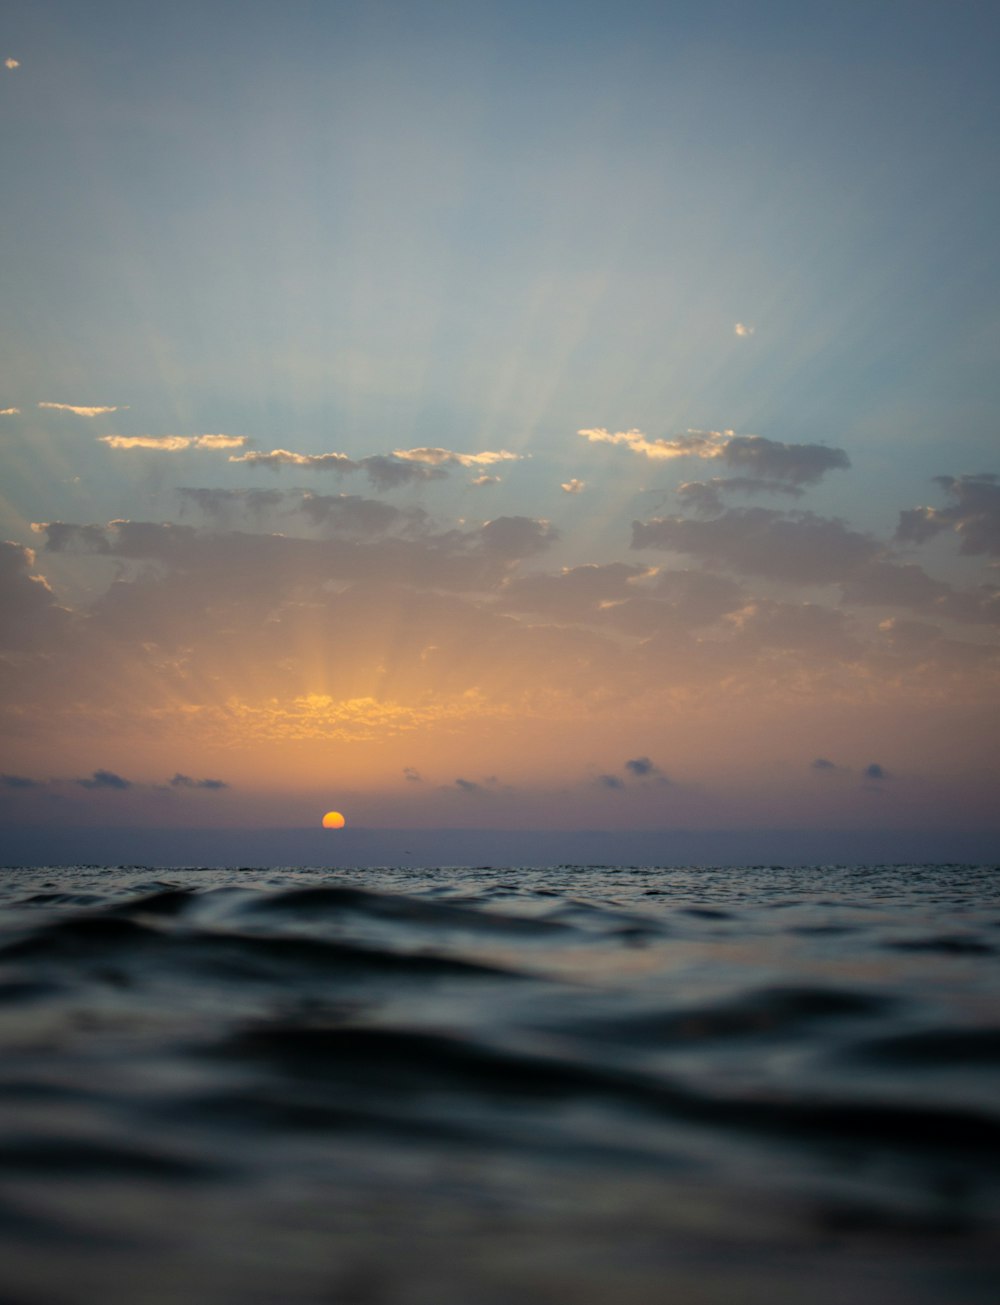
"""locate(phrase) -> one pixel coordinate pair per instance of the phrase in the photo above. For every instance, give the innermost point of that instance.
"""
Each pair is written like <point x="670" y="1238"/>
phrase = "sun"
<point x="333" y="820"/>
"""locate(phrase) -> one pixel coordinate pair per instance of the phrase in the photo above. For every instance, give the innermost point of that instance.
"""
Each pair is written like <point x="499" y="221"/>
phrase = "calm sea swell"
<point x="474" y="1086"/>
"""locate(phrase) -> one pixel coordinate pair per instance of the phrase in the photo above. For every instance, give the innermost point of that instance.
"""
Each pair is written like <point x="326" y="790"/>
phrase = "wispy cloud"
<point x="9" y="412"/>
<point x="81" y="411"/>
<point x="974" y="515"/>
<point x="11" y="63"/>
<point x="445" y="457"/>
<point x="743" y="330"/>
<point x="105" y="779"/>
<point x="185" y="781"/>
<point x="486" y="479"/>
<point x="18" y="781"/>
<point x="573" y="486"/>
<point x="799" y="464"/>
<point x="693" y="444"/>
<point x="173" y="443"/>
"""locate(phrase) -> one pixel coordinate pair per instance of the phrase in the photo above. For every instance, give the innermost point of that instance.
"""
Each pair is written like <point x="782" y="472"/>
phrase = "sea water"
<point x="475" y="1086"/>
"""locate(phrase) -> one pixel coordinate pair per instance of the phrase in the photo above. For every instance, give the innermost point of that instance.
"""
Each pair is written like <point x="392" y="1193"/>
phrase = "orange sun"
<point x="333" y="820"/>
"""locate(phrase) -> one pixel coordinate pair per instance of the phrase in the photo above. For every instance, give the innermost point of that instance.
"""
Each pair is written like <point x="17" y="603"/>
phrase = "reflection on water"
<point x="465" y="1086"/>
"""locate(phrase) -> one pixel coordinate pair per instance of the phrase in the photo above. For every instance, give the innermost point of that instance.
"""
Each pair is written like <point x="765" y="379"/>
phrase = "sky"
<point x="499" y="417"/>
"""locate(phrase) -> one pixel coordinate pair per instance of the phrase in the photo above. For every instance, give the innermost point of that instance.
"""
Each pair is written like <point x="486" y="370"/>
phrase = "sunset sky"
<point x="568" y="416"/>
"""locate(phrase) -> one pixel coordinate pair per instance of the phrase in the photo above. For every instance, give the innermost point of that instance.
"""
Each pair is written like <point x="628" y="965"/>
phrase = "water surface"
<point x="464" y="1086"/>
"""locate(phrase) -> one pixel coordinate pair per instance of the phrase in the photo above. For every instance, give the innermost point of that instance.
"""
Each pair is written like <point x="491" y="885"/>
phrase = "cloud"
<point x="798" y="464"/>
<point x="881" y="583"/>
<point x="484" y="480"/>
<point x="105" y="779"/>
<point x="875" y="771"/>
<point x="705" y="496"/>
<point x="385" y="471"/>
<point x="173" y="443"/>
<point x="515" y="537"/>
<point x="446" y="458"/>
<point x="185" y="781"/>
<point x="573" y="486"/>
<point x="743" y="330"/>
<point x="797" y="546"/>
<point x="642" y="767"/>
<point x="610" y="781"/>
<point x="795" y="627"/>
<point x="83" y="411"/>
<point x="974" y="515"/>
<point x="10" y="412"/>
<point x="413" y="775"/>
<point x="11" y="63"/>
<point x="348" y="514"/>
<point x="225" y="504"/>
<point x="821" y="763"/>
<point x="28" y="609"/>
<point x="470" y="787"/>
<point x="694" y="444"/>
<point x="18" y="781"/>
<point x="575" y="593"/>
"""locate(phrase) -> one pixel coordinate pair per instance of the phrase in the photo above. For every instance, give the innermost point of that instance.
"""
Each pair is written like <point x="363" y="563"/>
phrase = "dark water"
<point x="474" y="1087"/>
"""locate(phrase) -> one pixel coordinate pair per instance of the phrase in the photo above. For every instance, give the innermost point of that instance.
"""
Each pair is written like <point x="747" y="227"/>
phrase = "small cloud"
<point x="445" y="457"/>
<point x="875" y="771"/>
<point x="821" y="763"/>
<point x="413" y="775"/>
<point x="82" y="411"/>
<point x="486" y="479"/>
<point x="11" y="63"/>
<point x="573" y="486"/>
<point x="743" y="330"/>
<point x="469" y="786"/>
<point x="105" y="779"/>
<point x="185" y="781"/>
<point x="10" y="412"/>
<point x="173" y="443"/>
<point x="610" y="781"/>
<point x="18" y="781"/>
<point x="642" y="767"/>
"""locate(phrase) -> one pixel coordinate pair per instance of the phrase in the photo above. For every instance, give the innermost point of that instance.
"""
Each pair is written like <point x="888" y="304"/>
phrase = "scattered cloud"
<point x="610" y="781"/>
<point x="705" y="496"/>
<point x="19" y="781"/>
<point x="10" y="412"/>
<point x="974" y="515"/>
<point x="11" y="63"/>
<point x="485" y="479"/>
<point x="875" y="771"/>
<point x="446" y="458"/>
<point x="693" y="444"/>
<point x="185" y="781"/>
<point x="514" y="537"/>
<point x="642" y="768"/>
<point x="573" y="486"/>
<point x="797" y="464"/>
<point x="173" y="443"/>
<point x="822" y="763"/>
<point x="105" y="779"/>
<point x="470" y="787"/>
<point x="385" y="471"/>
<point x="796" y="546"/>
<point x="743" y="330"/>
<point x="81" y="411"/>
<point x="413" y="775"/>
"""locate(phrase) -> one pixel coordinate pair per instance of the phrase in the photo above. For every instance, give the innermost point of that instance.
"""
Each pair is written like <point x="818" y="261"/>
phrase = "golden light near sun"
<point x="333" y="820"/>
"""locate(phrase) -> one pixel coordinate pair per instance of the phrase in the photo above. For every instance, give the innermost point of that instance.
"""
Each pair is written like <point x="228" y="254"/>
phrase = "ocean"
<point x="568" y="1085"/>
